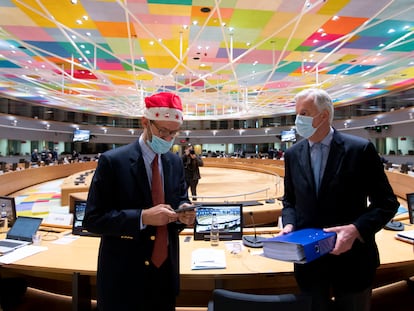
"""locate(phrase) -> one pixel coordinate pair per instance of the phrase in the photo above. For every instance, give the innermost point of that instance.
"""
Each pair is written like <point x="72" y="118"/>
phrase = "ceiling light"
<point x="74" y="1"/>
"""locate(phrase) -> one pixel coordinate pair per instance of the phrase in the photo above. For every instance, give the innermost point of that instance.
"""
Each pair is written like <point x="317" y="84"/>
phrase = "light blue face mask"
<point x="304" y="125"/>
<point x="159" y="145"/>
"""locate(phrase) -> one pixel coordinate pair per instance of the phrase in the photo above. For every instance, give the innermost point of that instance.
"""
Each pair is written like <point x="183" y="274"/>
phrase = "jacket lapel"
<point x="139" y="172"/>
<point x="305" y="162"/>
<point x="334" y="162"/>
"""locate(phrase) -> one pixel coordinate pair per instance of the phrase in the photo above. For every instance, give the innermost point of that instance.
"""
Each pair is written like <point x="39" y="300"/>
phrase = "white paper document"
<point x="21" y="253"/>
<point x="208" y="258"/>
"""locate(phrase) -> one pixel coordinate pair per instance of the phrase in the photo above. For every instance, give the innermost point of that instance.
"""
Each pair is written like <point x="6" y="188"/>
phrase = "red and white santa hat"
<point x="164" y="107"/>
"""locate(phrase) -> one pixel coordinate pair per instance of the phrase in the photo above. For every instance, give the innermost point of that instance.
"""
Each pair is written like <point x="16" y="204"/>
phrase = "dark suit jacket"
<point x="353" y="174"/>
<point x="118" y="193"/>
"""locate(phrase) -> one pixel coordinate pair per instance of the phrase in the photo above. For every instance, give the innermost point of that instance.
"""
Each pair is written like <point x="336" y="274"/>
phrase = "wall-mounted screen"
<point x="81" y="135"/>
<point x="288" y="135"/>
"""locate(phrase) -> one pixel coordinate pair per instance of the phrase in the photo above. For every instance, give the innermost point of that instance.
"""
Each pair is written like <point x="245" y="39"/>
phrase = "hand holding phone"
<point x="184" y="209"/>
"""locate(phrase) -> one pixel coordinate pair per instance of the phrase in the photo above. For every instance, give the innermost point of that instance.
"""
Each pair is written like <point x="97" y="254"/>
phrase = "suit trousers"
<point x="159" y="294"/>
<point x="329" y="291"/>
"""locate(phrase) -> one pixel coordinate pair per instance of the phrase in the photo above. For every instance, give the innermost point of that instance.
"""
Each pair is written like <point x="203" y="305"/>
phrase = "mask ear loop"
<point x="149" y="133"/>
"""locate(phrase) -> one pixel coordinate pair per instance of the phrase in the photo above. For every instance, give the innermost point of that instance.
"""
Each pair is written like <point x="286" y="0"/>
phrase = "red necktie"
<point x="160" y="251"/>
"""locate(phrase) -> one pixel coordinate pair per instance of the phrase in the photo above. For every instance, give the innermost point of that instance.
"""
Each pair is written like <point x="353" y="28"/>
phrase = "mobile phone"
<point x="184" y="209"/>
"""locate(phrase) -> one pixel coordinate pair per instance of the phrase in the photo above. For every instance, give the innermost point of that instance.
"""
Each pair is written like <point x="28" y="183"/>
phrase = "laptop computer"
<point x="406" y="236"/>
<point x="20" y="234"/>
<point x="79" y="207"/>
<point x="229" y="216"/>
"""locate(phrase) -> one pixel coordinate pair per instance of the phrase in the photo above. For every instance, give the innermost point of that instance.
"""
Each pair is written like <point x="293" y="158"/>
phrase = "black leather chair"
<point x="226" y="300"/>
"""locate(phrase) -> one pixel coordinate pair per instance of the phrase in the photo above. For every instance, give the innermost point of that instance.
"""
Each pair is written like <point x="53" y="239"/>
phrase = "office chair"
<point x="226" y="300"/>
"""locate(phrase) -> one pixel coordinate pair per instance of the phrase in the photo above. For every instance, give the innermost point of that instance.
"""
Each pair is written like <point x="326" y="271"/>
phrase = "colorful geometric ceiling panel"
<point x="227" y="59"/>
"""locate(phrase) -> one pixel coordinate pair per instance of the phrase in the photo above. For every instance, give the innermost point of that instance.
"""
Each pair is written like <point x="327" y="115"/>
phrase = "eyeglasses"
<point x="163" y="132"/>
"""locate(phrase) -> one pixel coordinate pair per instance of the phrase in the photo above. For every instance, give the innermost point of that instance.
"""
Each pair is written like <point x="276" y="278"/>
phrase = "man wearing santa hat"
<point x="131" y="219"/>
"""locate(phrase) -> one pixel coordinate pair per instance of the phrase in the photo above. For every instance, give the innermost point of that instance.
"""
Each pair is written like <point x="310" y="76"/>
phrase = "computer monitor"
<point x="410" y="206"/>
<point x="229" y="217"/>
<point x="79" y="207"/>
<point x="9" y="209"/>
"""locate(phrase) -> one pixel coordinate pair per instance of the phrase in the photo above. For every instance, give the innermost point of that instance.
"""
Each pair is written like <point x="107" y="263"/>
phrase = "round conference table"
<point x="71" y="268"/>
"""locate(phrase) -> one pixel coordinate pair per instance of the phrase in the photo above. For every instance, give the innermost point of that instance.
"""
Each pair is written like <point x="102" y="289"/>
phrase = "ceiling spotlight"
<point x="205" y="10"/>
<point x="47" y="126"/>
<point x="74" y="1"/>
<point x="14" y="122"/>
<point x="410" y="115"/>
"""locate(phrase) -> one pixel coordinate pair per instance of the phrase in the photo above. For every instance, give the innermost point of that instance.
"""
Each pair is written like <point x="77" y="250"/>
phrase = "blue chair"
<point x="226" y="300"/>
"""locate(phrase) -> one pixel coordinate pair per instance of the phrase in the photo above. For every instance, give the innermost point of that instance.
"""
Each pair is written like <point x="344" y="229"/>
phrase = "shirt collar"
<point x="147" y="152"/>
<point x="326" y="140"/>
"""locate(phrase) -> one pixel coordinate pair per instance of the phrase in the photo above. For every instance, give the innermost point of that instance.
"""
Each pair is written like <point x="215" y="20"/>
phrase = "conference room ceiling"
<point x="228" y="59"/>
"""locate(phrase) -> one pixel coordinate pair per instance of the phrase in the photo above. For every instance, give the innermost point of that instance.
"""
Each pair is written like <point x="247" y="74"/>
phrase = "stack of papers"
<point x="406" y="236"/>
<point x="300" y="246"/>
<point x="207" y="258"/>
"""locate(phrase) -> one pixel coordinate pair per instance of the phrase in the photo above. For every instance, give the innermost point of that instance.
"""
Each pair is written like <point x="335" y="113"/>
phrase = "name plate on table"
<point x="59" y="219"/>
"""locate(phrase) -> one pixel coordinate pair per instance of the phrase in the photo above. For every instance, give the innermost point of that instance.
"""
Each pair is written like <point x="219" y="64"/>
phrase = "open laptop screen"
<point x="23" y="228"/>
<point x="229" y="217"/>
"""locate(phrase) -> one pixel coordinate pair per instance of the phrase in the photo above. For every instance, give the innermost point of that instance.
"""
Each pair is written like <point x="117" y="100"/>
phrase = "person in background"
<point x="34" y="158"/>
<point x="55" y="154"/>
<point x="120" y="208"/>
<point x="192" y="163"/>
<point x="351" y="197"/>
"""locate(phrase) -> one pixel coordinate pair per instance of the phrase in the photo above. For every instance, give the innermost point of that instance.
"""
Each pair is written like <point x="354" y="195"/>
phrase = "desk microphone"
<point x="252" y="241"/>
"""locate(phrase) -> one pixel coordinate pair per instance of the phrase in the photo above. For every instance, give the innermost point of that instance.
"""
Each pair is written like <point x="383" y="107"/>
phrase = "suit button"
<point x="146" y="263"/>
<point x="152" y="237"/>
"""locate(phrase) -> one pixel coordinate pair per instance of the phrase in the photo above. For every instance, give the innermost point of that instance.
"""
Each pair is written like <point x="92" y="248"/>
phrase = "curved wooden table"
<point x="14" y="181"/>
<point x="71" y="270"/>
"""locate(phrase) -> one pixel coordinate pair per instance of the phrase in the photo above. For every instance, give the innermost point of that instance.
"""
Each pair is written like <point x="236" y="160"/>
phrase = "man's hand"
<point x="158" y="215"/>
<point x="345" y="237"/>
<point x="187" y="217"/>
<point x="286" y="229"/>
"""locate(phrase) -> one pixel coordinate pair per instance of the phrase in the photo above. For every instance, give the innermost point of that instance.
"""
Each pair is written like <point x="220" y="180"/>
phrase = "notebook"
<point x="406" y="236"/>
<point x="78" y="214"/>
<point x="20" y="234"/>
<point x="229" y="216"/>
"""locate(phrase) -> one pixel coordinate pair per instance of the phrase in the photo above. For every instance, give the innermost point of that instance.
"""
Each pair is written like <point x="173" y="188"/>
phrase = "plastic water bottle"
<point x="214" y="232"/>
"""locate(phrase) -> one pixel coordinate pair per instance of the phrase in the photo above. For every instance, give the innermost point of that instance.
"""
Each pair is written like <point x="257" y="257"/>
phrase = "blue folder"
<point x="300" y="246"/>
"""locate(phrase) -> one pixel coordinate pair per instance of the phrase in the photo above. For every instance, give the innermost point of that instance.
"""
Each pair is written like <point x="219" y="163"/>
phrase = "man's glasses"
<point x="163" y="132"/>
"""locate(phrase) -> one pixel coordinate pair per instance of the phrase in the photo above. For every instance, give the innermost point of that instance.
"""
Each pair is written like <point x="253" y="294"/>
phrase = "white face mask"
<point x="304" y="125"/>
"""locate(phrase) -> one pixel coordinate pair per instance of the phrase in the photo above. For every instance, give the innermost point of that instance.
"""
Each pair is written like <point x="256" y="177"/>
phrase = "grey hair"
<point x="321" y="99"/>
